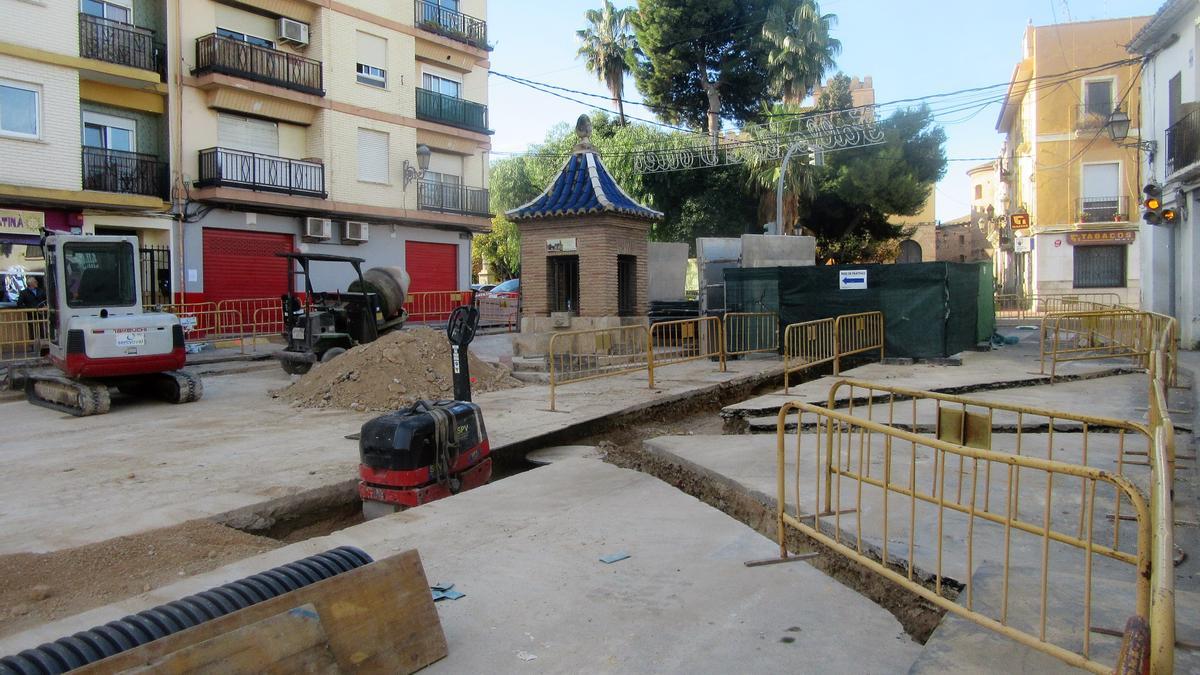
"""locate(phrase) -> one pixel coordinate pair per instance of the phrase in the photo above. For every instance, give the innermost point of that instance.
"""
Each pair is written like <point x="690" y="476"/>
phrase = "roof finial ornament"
<point x="583" y="129"/>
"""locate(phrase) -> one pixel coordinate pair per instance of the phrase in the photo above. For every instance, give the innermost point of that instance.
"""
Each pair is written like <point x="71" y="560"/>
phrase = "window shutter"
<point x="246" y="134"/>
<point x="372" y="156"/>
<point x="372" y="50"/>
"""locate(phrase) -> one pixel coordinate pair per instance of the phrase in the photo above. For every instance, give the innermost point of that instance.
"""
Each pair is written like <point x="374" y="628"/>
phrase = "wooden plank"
<point x="378" y="618"/>
<point x="289" y="642"/>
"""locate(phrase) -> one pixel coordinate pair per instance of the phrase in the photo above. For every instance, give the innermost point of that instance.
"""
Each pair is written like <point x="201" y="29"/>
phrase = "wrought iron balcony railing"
<point x="222" y="167"/>
<point x="449" y="23"/>
<point x="121" y="43"/>
<point x="1183" y="142"/>
<point x="1104" y="209"/>
<point x="451" y="198"/>
<point x="451" y="110"/>
<point x="218" y="54"/>
<point x="132" y="173"/>
<point x="1094" y="115"/>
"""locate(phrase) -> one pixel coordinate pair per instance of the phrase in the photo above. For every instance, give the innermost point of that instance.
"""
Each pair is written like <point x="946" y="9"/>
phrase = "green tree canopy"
<point x="702" y="60"/>
<point x="801" y="48"/>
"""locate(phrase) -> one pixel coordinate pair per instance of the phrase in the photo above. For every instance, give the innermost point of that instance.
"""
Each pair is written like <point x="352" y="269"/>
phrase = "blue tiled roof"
<point x="583" y="186"/>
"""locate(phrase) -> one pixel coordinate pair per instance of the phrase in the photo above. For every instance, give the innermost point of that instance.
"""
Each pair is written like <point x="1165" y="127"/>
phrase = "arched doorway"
<point x="910" y="252"/>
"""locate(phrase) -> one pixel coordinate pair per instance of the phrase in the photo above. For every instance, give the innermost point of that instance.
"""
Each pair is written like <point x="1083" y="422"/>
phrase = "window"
<point x="1098" y="98"/>
<point x="109" y="133"/>
<point x="978" y="192"/>
<point x="373" y="156"/>
<point x="100" y="275"/>
<point x="1100" y="266"/>
<point x="1101" y="193"/>
<point x="372" y="60"/>
<point x="247" y="134"/>
<point x="107" y="9"/>
<point x="441" y="85"/>
<point x="242" y="37"/>
<point x="564" y="283"/>
<point x="626" y="285"/>
<point x="19" y="114"/>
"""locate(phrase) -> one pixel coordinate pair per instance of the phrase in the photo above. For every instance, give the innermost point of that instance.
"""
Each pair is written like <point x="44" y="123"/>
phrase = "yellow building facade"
<point x="1060" y="176"/>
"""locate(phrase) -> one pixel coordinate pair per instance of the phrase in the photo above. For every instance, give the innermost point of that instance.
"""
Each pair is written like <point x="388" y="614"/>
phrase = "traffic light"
<point x="1154" y="212"/>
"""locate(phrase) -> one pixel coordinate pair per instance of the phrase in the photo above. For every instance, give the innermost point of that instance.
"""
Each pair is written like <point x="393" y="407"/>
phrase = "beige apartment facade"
<point x="298" y="127"/>
<point x="1068" y="194"/>
<point x="84" y="137"/>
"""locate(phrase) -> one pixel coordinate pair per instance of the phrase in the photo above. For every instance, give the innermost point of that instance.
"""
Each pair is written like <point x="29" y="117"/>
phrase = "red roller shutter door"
<point x="240" y="264"/>
<point x="432" y="267"/>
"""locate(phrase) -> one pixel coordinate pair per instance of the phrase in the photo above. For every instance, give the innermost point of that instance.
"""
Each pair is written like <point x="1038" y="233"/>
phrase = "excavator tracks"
<point x="91" y="397"/>
<point x="76" y="397"/>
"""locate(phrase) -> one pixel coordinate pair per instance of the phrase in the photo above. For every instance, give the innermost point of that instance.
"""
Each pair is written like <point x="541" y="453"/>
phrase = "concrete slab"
<point x="558" y="453"/>
<point x="525" y="551"/>
<point x="147" y="464"/>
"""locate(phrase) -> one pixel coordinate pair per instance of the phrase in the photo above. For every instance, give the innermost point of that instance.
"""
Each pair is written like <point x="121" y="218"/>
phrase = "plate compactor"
<point x="432" y="449"/>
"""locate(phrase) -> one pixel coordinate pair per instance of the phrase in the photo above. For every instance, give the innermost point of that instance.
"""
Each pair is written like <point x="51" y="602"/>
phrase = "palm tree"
<point x="608" y="48"/>
<point x="801" y="49"/>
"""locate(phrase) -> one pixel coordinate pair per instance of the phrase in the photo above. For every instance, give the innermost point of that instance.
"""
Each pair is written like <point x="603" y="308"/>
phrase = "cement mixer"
<point x="335" y="321"/>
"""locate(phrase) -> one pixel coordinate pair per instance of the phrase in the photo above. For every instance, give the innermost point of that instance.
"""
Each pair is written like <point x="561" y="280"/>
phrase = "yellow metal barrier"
<point x="806" y="345"/>
<point x="750" y="332"/>
<point x="857" y="333"/>
<point x="23" y="333"/>
<point x="1082" y="336"/>
<point x="685" y="340"/>
<point x="918" y="486"/>
<point x="1020" y="307"/>
<point x="580" y="355"/>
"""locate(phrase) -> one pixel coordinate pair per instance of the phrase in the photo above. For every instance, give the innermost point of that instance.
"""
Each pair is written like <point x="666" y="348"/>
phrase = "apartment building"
<point x="1170" y="127"/>
<point x="1068" y="192"/>
<point x="83" y="129"/>
<point x="356" y="128"/>
<point x="222" y="132"/>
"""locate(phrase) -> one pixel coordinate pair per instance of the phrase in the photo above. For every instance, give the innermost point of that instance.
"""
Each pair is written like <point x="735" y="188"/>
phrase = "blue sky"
<point x="910" y="49"/>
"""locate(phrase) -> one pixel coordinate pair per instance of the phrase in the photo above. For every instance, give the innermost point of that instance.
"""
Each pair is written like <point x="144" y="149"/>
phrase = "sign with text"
<point x="1019" y="221"/>
<point x="1101" y="237"/>
<point x="561" y="245"/>
<point x="21" y="222"/>
<point x="852" y="279"/>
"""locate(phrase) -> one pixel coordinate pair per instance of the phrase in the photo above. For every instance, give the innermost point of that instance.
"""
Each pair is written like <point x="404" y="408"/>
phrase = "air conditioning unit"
<point x="355" y="231"/>
<point x="295" y="32"/>
<point x="318" y="228"/>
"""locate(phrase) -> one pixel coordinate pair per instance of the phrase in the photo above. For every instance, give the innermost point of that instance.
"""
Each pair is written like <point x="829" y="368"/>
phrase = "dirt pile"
<point x="390" y="373"/>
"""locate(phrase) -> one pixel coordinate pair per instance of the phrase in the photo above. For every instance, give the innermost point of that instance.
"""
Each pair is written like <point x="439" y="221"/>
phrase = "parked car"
<point x="506" y="289"/>
<point x="482" y="288"/>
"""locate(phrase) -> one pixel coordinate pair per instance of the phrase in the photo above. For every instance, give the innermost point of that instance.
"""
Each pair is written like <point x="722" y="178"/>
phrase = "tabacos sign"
<point x="21" y="222"/>
<point x="1101" y="237"/>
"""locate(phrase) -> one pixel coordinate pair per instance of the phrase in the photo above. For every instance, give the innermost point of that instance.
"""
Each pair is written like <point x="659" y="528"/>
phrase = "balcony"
<point x="1104" y="209"/>
<point x="131" y="173"/>
<point x="222" y="167"/>
<point x="122" y="44"/>
<point x="217" y="54"/>
<point x="1183" y="142"/>
<point x="1093" y="116"/>
<point x="451" y="198"/>
<point x="449" y="23"/>
<point x="450" y="110"/>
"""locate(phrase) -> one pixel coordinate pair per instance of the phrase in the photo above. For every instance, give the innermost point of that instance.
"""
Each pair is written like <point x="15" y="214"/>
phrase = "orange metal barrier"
<point x="23" y="333"/>
<point x="502" y="313"/>
<point x="685" y="340"/>
<point x="857" y="333"/>
<point x="435" y="306"/>
<point x="806" y="345"/>
<point x="247" y="309"/>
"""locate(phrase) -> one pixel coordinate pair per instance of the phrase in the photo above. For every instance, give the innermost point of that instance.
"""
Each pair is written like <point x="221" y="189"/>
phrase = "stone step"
<point x="524" y="364"/>
<point x="529" y="377"/>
